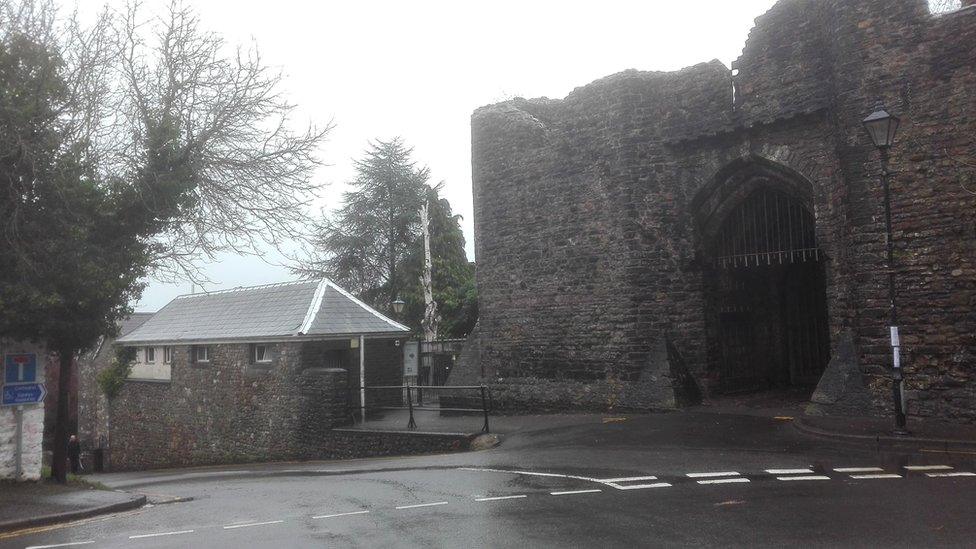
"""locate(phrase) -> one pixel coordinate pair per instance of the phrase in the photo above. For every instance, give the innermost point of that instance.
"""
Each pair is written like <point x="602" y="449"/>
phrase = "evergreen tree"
<point x="74" y="247"/>
<point x="373" y="245"/>
<point x="119" y="158"/>
<point x="364" y="244"/>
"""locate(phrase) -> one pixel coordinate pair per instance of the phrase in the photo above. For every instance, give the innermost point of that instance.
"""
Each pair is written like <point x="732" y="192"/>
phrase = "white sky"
<point x="381" y="69"/>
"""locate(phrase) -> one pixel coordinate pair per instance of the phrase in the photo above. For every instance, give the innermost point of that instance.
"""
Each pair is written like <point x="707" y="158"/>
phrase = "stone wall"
<point x="93" y="407"/>
<point x="32" y="434"/>
<point x="592" y="212"/>
<point x="231" y="410"/>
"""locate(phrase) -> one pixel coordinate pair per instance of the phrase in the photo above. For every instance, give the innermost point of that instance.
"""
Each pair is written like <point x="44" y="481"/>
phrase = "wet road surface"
<point x="682" y="479"/>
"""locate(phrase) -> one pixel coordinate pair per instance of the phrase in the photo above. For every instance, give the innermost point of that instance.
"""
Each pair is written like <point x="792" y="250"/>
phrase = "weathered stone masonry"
<point x="593" y="213"/>
<point x="231" y="410"/>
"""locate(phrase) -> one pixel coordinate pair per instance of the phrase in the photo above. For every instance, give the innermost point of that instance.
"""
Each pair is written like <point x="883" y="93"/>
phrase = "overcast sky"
<point x="417" y="70"/>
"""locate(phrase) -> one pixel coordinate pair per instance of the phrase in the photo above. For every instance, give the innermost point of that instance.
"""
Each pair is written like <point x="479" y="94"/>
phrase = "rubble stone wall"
<point x="592" y="212"/>
<point x="232" y="411"/>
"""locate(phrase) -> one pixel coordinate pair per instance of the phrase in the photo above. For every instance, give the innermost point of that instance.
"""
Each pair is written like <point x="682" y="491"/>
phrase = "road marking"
<point x="231" y="527"/>
<point x="571" y="492"/>
<point x="858" y="469"/>
<point x="341" y="514"/>
<point x="625" y="479"/>
<point x="788" y="471"/>
<point x="927" y="467"/>
<point x="706" y="475"/>
<point x="499" y="498"/>
<point x="934" y="451"/>
<point x="723" y="480"/>
<point x="882" y="475"/>
<point x="806" y="477"/>
<point x="952" y="474"/>
<point x="161" y="534"/>
<point x="532" y="473"/>
<point x="641" y="486"/>
<point x="421" y="505"/>
<point x="61" y="544"/>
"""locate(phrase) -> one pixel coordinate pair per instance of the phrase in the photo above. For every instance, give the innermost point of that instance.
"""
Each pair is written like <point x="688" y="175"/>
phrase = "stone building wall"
<point x="592" y="212"/>
<point x="230" y="410"/>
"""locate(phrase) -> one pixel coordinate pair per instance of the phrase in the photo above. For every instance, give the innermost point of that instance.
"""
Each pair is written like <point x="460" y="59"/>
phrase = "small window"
<point x="150" y="355"/>
<point x="167" y="355"/>
<point x="201" y="353"/>
<point x="262" y="353"/>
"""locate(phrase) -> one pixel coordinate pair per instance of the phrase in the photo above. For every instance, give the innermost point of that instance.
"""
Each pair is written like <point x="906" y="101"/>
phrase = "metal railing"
<point x="483" y="392"/>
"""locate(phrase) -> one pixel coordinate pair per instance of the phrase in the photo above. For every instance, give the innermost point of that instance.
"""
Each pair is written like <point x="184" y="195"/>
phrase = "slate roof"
<point x="132" y="322"/>
<point x="303" y="309"/>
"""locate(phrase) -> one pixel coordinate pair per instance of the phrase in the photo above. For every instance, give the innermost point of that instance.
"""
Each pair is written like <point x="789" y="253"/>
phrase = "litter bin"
<point x="98" y="456"/>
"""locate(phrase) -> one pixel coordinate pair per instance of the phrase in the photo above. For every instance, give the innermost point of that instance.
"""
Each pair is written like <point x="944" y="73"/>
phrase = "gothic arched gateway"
<point x="765" y="281"/>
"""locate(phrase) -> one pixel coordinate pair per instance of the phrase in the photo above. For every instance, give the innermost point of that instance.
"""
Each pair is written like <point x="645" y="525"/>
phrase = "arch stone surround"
<point x="587" y="243"/>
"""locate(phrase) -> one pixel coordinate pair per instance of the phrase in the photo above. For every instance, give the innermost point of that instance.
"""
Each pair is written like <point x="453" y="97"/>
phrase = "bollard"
<point x="411" y="424"/>
<point x="484" y="407"/>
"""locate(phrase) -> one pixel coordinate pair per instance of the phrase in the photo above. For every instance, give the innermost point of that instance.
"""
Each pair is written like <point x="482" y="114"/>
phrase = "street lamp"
<point x="398" y="305"/>
<point x="882" y="126"/>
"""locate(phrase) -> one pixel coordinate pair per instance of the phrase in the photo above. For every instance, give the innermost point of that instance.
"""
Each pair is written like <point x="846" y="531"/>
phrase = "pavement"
<point x="690" y="478"/>
<point x="924" y="435"/>
<point x="31" y="504"/>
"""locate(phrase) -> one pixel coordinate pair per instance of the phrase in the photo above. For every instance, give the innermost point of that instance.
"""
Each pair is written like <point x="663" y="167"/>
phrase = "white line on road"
<point x="952" y="474"/>
<point x="61" y="544"/>
<point x="807" y="477"/>
<point x="498" y="498"/>
<point x="706" y="475"/>
<point x="341" y="514"/>
<point x="723" y="480"/>
<point x="532" y="473"/>
<point x="161" y="534"/>
<point x="858" y="469"/>
<point x="788" y="471"/>
<point x="882" y="475"/>
<point x="421" y="505"/>
<point x="231" y="527"/>
<point x="641" y="486"/>
<point x="927" y="467"/>
<point x="625" y="479"/>
<point x="571" y="492"/>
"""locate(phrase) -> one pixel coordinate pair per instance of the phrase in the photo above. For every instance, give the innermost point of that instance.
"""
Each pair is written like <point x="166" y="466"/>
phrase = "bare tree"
<point x="157" y="96"/>
<point x="944" y="6"/>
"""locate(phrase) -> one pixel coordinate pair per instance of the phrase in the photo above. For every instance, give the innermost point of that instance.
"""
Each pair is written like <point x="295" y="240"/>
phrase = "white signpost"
<point x="20" y="388"/>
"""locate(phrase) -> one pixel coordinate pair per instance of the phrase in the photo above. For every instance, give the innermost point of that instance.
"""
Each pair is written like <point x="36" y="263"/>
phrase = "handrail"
<point x="485" y="391"/>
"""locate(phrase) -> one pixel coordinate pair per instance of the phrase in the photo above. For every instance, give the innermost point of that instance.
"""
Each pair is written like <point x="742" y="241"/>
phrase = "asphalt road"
<point x="683" y="479"/>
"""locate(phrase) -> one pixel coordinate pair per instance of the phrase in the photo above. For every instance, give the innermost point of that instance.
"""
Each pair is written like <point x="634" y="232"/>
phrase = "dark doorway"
<point x="767" y="306"/>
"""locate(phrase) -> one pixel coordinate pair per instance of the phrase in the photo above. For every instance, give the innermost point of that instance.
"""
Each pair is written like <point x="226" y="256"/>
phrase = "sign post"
<point x="19" y="444"/>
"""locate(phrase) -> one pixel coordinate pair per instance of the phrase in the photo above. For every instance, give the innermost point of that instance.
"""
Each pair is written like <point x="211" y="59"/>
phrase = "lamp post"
<point x="398" y="306"/>
<point x="881" y="127"/>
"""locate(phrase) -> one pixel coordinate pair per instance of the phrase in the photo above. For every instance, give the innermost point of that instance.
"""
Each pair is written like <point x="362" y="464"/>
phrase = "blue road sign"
<point x="20" y="368"/>
<point x="24" y="393"/>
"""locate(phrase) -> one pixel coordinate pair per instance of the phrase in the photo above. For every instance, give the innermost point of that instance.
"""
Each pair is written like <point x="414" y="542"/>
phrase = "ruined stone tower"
<point x="656" y="236"/>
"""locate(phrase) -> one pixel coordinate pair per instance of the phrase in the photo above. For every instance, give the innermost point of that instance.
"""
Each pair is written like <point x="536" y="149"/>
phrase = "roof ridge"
<point x="355" y="300"/>
<point x="244" y="288"/>
<point x="313" y="306"/>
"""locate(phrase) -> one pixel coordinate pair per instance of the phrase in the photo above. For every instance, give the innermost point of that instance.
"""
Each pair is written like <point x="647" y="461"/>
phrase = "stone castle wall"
<point x="591" y="212"/>
<point x="230" y="410"/>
